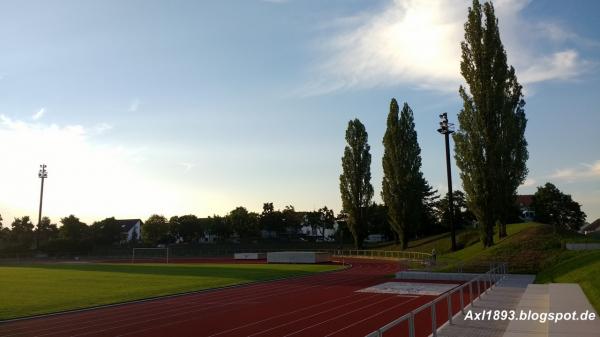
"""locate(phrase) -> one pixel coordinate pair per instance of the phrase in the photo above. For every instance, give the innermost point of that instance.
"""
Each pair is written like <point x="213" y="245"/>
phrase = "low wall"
<point x="422" y="275"/>
<point x="298" y="257"/>
<point x="249" y="256"/>
<point x="583" y="246"/>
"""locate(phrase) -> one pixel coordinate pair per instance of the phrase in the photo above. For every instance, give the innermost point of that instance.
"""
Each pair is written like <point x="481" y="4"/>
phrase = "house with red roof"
<point x="524" y="203"/>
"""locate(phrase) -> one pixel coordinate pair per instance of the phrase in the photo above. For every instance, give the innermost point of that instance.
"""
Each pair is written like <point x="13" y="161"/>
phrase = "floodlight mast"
<point x="43" y="174"/>
<point x="446" y="129"/>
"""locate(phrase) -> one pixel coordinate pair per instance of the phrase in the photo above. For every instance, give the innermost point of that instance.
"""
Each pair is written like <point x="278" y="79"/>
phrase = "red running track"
<point x="318" y="305"/>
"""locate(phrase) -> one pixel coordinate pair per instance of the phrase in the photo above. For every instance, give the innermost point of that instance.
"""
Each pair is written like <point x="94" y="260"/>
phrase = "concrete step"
<point x="536" y="299"/>
<point x="568" y="297"/>
<point x="555" y="298"/>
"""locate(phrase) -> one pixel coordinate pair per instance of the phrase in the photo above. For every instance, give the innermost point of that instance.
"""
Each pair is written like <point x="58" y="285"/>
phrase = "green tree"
<point x="4" y="237"/>
<point x="106" y="232"/>
<point x="326" y="219"/>
<point x="553" y="207"/>
<point x="4" y="234"/>
<point x="189" y="228"/>
<point x="379" y="221"/>
<point x="21" y="233"/>
<point x="72" y="229"/>
<point x="404" y="188"/>
<point x="185" y="228"/>
<point x="244" y="223"/>
<point x="270" y="219"/>
<point x="313" y="220"/>
<point x="45" y="231"/>
<point x="174" y="235"/>
<point x="155" y="230"/>
<point x="429" y="223"/>
<point x="219" y="227"/>
<point x="462" y="215"/>
<point x="355" y="180"/>
<point x="292" y="220"/>
<point x="490" y="147"/>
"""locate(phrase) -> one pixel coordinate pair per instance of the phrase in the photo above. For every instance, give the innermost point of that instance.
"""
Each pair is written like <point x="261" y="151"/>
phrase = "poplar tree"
<point x="355" y="181"/>
<point x="403" y="187"/>
<point x="490" y="147"/>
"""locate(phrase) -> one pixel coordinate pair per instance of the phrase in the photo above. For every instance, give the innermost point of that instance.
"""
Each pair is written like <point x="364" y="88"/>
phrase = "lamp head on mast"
<point x="43" y="173"/>
<point x="445" y="127"/>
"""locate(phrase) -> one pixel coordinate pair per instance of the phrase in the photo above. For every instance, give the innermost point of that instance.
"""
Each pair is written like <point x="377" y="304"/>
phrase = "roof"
<point x="126" y="224"/>
<point x="594" y="226"/>
<point x="524" y="200"/>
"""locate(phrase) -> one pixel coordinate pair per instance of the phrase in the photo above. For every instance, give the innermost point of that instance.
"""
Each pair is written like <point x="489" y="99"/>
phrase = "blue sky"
<point x="175" y="107"/>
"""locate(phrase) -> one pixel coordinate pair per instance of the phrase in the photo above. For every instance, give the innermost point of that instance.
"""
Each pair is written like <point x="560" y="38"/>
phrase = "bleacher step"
<point x="555" y="298"/>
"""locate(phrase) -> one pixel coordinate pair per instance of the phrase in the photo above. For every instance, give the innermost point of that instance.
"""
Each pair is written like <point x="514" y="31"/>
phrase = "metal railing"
<point x="382" y="254"/>
<point x="483" y="282"/>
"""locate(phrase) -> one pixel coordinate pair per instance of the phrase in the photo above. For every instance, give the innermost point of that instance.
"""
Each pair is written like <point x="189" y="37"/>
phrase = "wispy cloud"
<point x="418" y="43"/>
<point x="39" y="114"/>
<point x="102" y="128"/>
<point x="558" y="33"/>
<point x="562" y="65"/>
<point x="584" y="171"/>
<point x="187" y="166"/>
<point x="134" y="105"/>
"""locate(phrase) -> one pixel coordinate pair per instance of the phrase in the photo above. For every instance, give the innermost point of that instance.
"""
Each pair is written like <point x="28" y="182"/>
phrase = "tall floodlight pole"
<point x="43" y="174"/>
<point x="446" y="129"/>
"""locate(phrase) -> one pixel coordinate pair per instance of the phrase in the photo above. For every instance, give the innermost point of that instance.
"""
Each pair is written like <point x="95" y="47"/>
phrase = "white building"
<point x="131" y="229"/>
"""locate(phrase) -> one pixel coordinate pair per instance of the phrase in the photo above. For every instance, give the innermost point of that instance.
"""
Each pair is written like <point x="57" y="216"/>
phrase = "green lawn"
<point x="504" y="249"/>
<point x="530" y="248"/>
<point x="45" y="288"/>
<point x="465" y="238"/>
<point x="582" y="267"/>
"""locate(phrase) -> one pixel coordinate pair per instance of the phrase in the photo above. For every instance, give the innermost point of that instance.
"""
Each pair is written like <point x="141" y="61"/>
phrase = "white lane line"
<point x="386" y="298"/>
<point x="337" y="317"/>
<point x="367" y="318"/>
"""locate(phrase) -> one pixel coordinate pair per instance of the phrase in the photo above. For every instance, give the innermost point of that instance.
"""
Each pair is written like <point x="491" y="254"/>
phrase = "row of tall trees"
<point x="490" y="146"/>
<point x="405" y="191"/>
<point x="407" y="196"/>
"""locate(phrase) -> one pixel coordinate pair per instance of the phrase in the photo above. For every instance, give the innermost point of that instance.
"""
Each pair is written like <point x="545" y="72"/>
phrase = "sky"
<point x="179" y="107"/>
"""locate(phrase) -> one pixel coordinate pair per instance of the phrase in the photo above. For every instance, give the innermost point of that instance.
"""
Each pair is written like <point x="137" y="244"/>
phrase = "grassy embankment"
<point x="582" y="267"/>
<point x="531" y="248"/>
<point x="37" y="289"/>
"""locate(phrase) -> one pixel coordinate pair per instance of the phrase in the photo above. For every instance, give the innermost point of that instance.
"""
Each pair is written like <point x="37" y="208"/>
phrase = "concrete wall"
<point x="298" y="257"/>
<point x="422" y="275"/>
<point x="249" y="256"/>
<point x="583" y="246"/>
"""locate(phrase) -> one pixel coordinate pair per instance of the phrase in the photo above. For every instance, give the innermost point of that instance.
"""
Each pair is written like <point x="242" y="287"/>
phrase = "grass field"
<point x="45" y="288"/>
